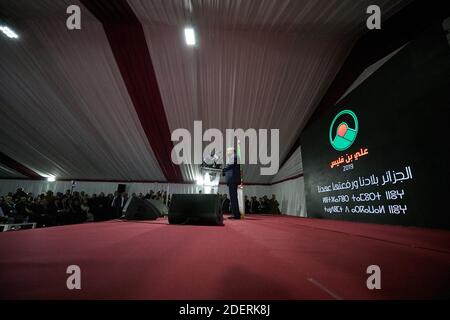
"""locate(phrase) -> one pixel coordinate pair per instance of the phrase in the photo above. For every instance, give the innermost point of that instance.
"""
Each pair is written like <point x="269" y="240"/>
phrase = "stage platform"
<point x="260" y="257"/>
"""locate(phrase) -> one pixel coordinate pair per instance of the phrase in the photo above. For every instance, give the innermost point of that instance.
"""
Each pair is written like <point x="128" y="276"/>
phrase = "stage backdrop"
<point x="381" y="154"/>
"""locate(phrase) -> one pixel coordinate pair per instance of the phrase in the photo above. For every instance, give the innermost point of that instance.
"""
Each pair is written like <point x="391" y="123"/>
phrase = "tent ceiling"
<point x="65" y="109"/>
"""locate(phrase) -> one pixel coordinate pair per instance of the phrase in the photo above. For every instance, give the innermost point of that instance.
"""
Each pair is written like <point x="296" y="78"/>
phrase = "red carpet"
<point x="261" y="257"/>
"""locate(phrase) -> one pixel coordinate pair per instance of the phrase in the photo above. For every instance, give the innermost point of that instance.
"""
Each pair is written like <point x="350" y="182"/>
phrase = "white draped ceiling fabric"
<point x="66" y="111"/>
<point x="258" y="64"/>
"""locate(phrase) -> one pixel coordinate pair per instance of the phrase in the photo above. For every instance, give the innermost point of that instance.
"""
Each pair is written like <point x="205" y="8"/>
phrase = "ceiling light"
<point x="51" y="179"/>
<point x="8" y="32"/>
<point x="189" y="34"/>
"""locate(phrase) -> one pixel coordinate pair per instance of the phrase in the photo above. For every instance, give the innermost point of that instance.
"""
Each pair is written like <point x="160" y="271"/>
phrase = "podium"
<point x="209" y="182"/>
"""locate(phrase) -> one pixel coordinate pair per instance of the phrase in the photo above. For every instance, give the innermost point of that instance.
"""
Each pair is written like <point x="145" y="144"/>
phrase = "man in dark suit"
<point x="232" y="173"/>
<point x="118" y="203"/>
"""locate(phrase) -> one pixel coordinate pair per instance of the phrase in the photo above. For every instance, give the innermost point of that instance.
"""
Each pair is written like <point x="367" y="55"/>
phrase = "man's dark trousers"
<point x="232" y="190"/>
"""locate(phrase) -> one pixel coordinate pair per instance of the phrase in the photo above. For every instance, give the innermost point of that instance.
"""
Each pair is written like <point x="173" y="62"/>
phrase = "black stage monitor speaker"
<point x="144" y="209"/>
<point x="197" y="209"/>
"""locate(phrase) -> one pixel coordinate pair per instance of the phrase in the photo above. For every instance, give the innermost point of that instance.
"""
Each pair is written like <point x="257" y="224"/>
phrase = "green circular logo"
<point x="344" y="134"/>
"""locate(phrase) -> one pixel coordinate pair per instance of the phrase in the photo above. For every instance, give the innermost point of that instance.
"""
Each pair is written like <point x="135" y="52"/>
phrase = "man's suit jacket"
<point x="232" y="172"/>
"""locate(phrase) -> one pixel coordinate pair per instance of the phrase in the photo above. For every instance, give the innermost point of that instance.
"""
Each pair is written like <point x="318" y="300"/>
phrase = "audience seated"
<point x="254" y="205"/>
<point x="49" y="209"/>
<point x="247" y="204"/>
<point x="274" y="205"/>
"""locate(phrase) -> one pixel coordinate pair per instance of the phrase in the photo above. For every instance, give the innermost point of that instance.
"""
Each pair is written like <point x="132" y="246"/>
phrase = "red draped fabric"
<point x="127" y="40"/>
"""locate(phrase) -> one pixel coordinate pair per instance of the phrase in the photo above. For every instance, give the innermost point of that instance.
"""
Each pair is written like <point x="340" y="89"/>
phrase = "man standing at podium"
<point x="232" y="173"/>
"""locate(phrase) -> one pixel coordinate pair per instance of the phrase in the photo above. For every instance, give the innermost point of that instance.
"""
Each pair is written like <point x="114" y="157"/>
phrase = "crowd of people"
<point x="49" y="209"/>
<point x="253" y="204"/>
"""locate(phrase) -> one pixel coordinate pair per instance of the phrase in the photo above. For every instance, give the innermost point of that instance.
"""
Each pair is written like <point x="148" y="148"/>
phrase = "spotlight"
<point x="189" y="34"/>
<point x="51" y="179"/>
<point x="8" y="32"/>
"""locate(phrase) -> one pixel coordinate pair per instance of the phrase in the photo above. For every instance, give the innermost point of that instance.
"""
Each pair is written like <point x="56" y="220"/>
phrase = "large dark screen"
<point x="394" y="168"/>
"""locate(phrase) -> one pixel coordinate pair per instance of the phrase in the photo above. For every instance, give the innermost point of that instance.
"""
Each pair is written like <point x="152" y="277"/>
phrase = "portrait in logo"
<point x="343" y="130"/>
